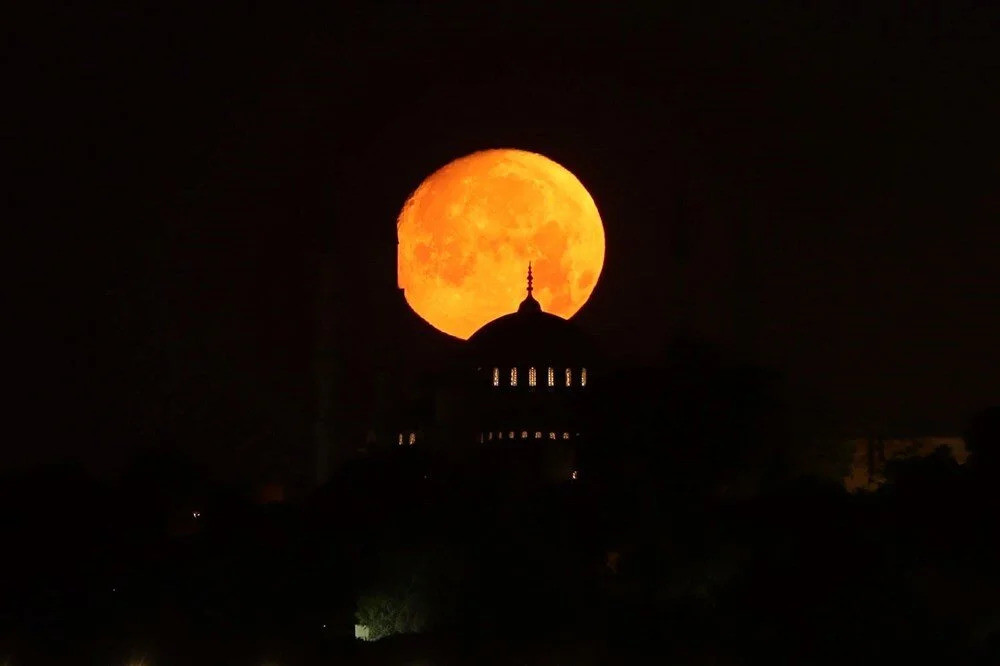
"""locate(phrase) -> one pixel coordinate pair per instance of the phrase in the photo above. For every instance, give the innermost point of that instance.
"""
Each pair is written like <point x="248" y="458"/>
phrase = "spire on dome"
<point x="529" y="304"/>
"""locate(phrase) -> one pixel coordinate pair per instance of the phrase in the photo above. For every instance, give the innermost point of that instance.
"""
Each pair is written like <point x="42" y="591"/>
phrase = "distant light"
<point x="196" y="514"/>
<point x="573" y="475"/>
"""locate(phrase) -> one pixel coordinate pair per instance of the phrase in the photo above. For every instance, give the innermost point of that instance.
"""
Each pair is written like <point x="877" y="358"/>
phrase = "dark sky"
<point x="814" y="190"/>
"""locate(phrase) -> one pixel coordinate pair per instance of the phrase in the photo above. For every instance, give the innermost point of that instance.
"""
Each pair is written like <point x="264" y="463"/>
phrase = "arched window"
<point x="481" y="438"/>
<point x="500" y="435"/>
<point x="513" y="376"/>
<point x="413" y="438"/>
<point x="524" y="434"/>
<point x="569" y="377"/>
<point x="496" y="376"/>
<point x="552" y="377"/>
<point x="400" y="439"/>
<point x="532" y="379"/>
<point x="491" y="436"/>
<point x="538" y="434"/>
<point x="552" y="435"/>
<point x="510" y="435"/>
<point x="583" y="376"/>
<point x="565" y="435"/>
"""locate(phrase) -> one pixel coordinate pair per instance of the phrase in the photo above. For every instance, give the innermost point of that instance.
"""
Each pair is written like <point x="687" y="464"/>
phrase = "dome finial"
<point x="529" y="304"/>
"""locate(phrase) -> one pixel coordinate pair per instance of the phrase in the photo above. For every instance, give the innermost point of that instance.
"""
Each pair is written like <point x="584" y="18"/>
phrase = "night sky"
<point x="809" y="190"/>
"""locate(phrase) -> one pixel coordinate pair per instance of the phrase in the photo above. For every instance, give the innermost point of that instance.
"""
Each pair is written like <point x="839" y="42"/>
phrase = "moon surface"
<point x="467" y="233"/>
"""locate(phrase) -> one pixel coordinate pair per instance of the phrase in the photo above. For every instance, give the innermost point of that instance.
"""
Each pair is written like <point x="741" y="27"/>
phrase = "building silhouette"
<point x="516" y="390"/>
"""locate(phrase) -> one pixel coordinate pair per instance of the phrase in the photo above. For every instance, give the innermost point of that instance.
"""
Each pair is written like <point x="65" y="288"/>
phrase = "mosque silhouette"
<point x="515" y="393"/>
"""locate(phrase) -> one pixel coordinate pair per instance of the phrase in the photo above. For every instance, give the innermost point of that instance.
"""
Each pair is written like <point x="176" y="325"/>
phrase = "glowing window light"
<point x="500" y="436"/>
<point x="538" y="434"/>
<point x="552" y="435"/>
<point x="481" y="438"/>
<point x="491" y="436"/>
<point x="569" y="377"/>
<point x="413" y="438"/>
<point x="496" y="376"/>
<point x="513" y="376"/>
<point x="583" y="376"/>
<point x="524" y="434"/>
<point x="532" y="378"/>
<point x="400" y="439"/>
<point x="552" y="377"/>
<point x="510" y="435"/>
<point x="565" y="435"/>
<point x="573" y="475"/>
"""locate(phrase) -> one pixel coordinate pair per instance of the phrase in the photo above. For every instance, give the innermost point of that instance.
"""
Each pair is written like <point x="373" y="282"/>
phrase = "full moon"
<point x="467" y="233"/>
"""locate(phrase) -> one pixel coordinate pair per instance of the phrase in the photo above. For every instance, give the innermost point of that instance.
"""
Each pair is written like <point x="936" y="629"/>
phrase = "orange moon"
<point x="467" y="233"/>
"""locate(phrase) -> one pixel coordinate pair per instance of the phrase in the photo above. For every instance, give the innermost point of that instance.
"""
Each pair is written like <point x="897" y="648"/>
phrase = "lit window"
<point x="500" y="435"/>
<point x="481" y="438"/>
<point x="491" y="436"/>
<point x="538" y="435"/>
<point x="583" y="376"/>
<point x="413" y="438"/>
<point x="513" y="376"/>
<point x="510" y="435"/>
<point x="569" y="377"/>
<point x="552" y="377"/>
<point x="531" y="377"/>
<point x="524" y="434"/>
<point x="573" y="475"/>
<point x="565" y="435"/>
<point x="496" y="376"/>
<point x="552" y="435"/>
<point x="400" y="439"/>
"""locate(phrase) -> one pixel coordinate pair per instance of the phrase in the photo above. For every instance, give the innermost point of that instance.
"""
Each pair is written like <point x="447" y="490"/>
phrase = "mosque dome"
<point x="530" y="335"/>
